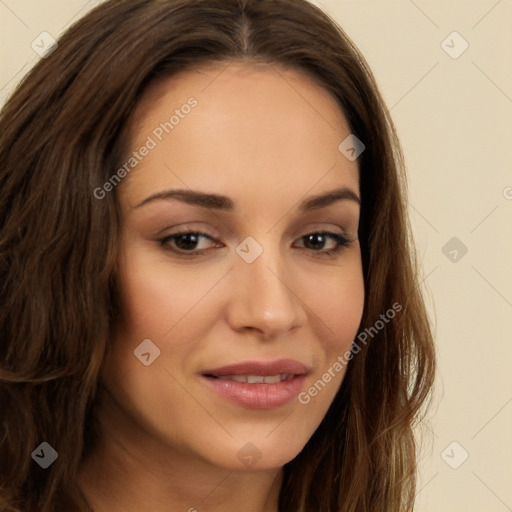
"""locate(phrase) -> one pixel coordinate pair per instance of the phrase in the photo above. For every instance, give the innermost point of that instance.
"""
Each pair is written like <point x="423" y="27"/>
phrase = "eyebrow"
<point x="218" y="202"/>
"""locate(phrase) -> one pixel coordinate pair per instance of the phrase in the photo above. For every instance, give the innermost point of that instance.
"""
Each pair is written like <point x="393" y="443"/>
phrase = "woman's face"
<point x="217" y="354"/>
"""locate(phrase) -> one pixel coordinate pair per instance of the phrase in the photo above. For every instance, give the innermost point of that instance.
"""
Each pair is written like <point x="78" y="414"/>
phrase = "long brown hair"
<point x="62" y="136"/>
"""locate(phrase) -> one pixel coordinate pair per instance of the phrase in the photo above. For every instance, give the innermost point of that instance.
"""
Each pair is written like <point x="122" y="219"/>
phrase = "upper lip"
<point x="263" y="368"/>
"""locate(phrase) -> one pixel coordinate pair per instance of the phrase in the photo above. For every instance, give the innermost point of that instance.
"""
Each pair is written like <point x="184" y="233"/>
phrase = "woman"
<point x="209" y="297"/>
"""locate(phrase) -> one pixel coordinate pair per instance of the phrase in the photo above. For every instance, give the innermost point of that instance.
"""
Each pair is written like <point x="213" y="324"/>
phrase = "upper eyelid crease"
<point x="342" y="239"/>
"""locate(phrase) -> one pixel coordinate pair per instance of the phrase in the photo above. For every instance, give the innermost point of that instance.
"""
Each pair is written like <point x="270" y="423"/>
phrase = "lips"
<point x="258" y="385"/>
<point x="266" y="369"/>
<point x="257" y="379"/>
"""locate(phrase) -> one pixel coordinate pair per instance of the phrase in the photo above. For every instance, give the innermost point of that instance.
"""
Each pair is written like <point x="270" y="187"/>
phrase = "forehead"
<point x="249" y="125"/>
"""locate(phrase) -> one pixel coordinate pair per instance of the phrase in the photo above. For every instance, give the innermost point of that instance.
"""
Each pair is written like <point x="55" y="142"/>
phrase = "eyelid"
<point x="188" y="227"/>
<point x="318" y="227"/>
<point x="343" y="241"/>
<point x="314" y="227"/>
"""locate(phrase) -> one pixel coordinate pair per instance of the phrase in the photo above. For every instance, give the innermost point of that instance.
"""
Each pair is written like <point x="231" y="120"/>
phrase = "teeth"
<point x="271" y="379"/>
<point x="257" y="379"/>
<point x="237" y="378"/>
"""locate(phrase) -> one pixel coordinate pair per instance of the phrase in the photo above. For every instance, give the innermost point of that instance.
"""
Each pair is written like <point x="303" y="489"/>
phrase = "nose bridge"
<point x="263" y="296"/>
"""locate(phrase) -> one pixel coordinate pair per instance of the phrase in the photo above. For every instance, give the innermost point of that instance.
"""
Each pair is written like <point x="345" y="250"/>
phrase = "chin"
<point x="258" y="452"/>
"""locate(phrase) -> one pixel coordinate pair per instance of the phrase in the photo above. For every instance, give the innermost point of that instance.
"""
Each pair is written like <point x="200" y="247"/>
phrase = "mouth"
<point x="255" y="379"/>
<point x="258" y="385"/>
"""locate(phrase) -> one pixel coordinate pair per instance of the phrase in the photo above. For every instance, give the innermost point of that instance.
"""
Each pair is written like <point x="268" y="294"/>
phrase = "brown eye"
<point x="316" y="242"/>
<point x="185" y="242"/>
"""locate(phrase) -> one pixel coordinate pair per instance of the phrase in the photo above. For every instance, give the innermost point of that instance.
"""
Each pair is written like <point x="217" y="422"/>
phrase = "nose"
<point x="264" y="297"/>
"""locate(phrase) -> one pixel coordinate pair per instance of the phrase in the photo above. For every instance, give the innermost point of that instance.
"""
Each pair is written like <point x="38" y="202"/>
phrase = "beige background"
<point x="454" y="118"/>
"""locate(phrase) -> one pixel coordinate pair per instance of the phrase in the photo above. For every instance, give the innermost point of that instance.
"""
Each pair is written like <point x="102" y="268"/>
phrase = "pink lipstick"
<point x="258" y="384"/>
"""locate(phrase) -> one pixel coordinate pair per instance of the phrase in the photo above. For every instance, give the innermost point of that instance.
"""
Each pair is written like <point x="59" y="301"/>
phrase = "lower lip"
<point x="258" y="396"/>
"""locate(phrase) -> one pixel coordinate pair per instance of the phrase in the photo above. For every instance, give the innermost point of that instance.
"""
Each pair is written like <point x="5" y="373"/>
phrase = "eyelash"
<point x="342" y="241"/>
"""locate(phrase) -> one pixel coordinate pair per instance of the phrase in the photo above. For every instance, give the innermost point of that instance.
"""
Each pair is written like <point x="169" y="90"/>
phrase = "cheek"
<point x="337" y="300"/>
<point x="346" y="310"/>
<point x="338" y="303"/>
<point x="158" y="298"/>
<point x="341" y="316"/>
<point x="158" y="305"/>
<point x="164" y="304"/>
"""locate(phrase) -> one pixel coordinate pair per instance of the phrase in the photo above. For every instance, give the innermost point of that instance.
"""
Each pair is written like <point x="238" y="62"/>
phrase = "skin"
<point x="267" y="138"/>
